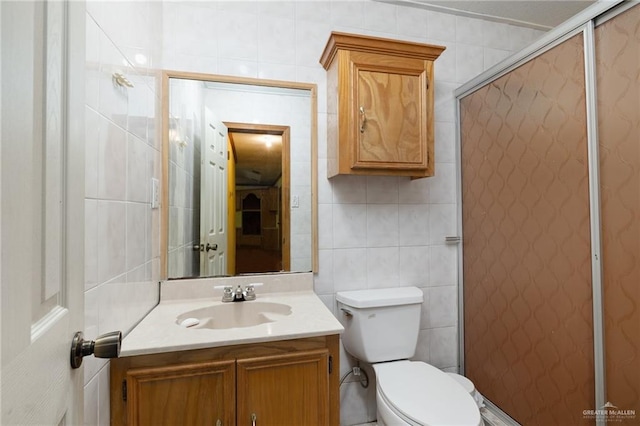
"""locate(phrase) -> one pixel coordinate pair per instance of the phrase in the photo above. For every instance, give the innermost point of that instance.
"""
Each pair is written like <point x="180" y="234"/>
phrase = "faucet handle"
<point x="227" y="296"/>
<point x="250" y="293"/>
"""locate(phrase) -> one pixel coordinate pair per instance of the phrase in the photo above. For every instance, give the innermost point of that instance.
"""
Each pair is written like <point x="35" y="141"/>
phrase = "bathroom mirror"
<point x="239" y="176"/>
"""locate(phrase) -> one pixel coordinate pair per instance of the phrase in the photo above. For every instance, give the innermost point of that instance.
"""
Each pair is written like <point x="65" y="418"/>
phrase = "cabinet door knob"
<point x="254" y="419"/>
<point x="363" y="119"/>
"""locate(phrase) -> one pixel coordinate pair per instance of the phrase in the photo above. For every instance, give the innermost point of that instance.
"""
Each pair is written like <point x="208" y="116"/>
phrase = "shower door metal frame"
<point x="584" y="22"/>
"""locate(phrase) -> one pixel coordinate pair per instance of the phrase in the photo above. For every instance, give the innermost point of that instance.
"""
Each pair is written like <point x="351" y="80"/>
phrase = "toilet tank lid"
<point x="380" y="297"/>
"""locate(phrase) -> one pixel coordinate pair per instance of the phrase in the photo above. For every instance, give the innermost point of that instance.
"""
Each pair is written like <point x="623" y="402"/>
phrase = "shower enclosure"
<point x="549" y="150"/>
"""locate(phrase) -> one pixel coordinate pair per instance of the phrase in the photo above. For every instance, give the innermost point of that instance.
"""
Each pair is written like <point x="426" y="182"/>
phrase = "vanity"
<point x="270" y="361"/>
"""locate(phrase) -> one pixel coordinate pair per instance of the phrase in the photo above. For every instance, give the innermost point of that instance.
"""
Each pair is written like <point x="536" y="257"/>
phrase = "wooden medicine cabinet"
<point x="379" y="106"/>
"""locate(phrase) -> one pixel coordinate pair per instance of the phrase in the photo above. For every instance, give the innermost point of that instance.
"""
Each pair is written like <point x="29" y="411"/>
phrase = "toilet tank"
<point x="381" y="324"/>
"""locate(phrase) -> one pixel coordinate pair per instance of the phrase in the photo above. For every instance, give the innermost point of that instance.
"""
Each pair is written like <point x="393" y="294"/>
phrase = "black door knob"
<point x="212" y="247"/>
<point x="105" y="346"/>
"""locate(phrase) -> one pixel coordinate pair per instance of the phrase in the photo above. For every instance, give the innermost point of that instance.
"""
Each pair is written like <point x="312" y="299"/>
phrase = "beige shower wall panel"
<point x="618" y="92"/>
<point x="527" y="269"/>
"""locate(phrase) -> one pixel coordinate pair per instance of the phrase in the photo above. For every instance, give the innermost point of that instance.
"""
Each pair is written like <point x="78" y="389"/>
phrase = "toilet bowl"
<point x="469" y="387"/>
<point x="381" y="328"/>
<point x="418" y="394"/>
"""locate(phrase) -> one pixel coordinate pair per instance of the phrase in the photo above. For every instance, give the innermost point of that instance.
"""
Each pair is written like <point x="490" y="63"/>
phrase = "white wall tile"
<point x="112" y="162"/>
<point x="349" y="189"/>
<point x="443" y="347"/>
<point x="442" y="186"/>
<point x="238" y="67"/>
<point x="469" y="31"/>
<point x="414" y="224"/>
<point x="469" y="62"/>
<point x="92" y="302"/>
<point x="443" y="304"/>
<point x="312" y="11"/>
<point x="104" y="414"/>
<point x="414" y="266"/>
<point x="494" y="56"/>
<point x="311" y="37"/>
<point x="237" y="35"/>
<point x="325" y="226"/>
<point x="423" y="348"/>
<point x="91" y="402"/>
<point x="276" y="41"/>
<point x="382" y="267"/>
<point x="413" y="191"/>
<point x="443" y="265"/>
<point x="136" y="235"/>
<point x="276" y="9"/>
<point x="349" y="225"/>
<point x="442" y="222"/>
<point x="445" y="141"/>
<point x="347" y="13"/>
<point x="350" y="269"/>
<point x="382" y="189"/>
<point x="497" y="35"/>
<point x="353" y="404"/>
<point x="92" y="60"/>
<point x="271" y="71"/>
<point x="445" y="65"/>
<point x="425" y="321"/>
<point x="380" y="17"/>
<point x="91" y="243"/>
<point x="412" y="22"/>
<point x="138" y="176"/>
<point x="111" y="237"/>
<point x="382" y="225"/>
<point x="441" y="26"/>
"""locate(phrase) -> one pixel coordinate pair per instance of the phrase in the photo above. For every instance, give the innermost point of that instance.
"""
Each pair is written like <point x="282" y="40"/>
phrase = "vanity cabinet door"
<point x="284" y="390"/>
<point x="200" y="393"/>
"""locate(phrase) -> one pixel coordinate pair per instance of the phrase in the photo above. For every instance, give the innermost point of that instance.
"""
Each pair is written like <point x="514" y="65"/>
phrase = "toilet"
<point x="381" y="328"/>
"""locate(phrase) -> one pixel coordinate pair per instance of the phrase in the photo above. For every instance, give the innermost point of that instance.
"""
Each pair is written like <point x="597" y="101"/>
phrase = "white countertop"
<point x="159" y="331"/>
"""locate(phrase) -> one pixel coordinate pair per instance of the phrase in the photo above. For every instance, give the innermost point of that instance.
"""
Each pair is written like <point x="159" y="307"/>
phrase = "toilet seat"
<point x="421" y="394"/>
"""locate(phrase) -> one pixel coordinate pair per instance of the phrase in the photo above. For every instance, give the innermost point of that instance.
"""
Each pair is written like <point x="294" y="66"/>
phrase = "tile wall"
<point x="122" y="154"/>
<point x="373" y="231"/>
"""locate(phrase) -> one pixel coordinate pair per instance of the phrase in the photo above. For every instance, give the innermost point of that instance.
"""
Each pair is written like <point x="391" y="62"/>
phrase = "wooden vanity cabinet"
<point x="380" y="102"/>
<point x="276" y="383"/>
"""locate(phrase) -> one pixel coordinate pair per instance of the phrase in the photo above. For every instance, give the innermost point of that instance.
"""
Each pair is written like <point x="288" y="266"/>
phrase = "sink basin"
<point x="235" y="315"/>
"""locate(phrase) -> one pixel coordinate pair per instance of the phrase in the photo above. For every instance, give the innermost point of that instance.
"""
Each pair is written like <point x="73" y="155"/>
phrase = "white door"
<point x="213" y="198"/>
<point x="42" y="210"/>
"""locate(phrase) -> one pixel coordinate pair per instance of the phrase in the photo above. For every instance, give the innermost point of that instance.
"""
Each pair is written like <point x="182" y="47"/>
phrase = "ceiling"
<point x="539" y="14"/>
<point x="256" y="163"/>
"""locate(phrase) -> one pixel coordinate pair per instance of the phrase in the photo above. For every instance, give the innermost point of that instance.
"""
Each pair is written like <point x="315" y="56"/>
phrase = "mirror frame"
<point x="164" y="205"/>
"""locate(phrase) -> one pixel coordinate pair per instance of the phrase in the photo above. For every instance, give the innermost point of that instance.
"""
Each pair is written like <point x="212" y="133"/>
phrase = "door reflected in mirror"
<point x="240" y="176"/>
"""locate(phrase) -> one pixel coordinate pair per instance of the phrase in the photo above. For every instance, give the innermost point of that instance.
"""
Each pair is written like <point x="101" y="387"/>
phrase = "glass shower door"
<point x="528" y="342"/>
<point x="618" y="92"/>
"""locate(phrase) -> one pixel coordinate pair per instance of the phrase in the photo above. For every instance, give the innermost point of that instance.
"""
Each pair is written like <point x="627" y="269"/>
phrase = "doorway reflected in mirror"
<point x="236" y="153"/>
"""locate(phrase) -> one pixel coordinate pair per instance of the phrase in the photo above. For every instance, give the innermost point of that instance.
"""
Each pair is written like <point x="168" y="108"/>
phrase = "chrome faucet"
<point x="239" y="295"/>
